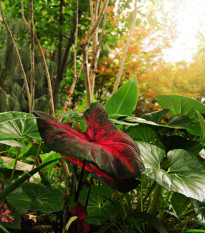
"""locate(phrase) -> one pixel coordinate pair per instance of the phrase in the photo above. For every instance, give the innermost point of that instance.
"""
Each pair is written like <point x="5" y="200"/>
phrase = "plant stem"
<point x="15" y="163"/>
<point x="161" y="216"/>
<point x="173" y="222"/>
<point x="156" y="196"/>
<point x="122" y="62"/>
<point x="88" y="195"/>
<point x="80" y="181"/>
<point x="149" y="192"/>
<point x="37" y="155"/>
<point x="141" y="195"/>
<point x="153" y="208"/>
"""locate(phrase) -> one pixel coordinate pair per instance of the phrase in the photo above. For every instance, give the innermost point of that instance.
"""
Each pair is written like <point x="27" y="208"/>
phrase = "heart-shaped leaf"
<point x="19" y="200"/>
<point x="180" y="105"/>
<point x="143" y="133"/>
<point x="44" y="199"/>
<point x="14" y="125"/>
<point x="106" y="148"/>
<point x="184" y="173"/>
<point x="100" y="207"/>
<point x="124" y="100"/>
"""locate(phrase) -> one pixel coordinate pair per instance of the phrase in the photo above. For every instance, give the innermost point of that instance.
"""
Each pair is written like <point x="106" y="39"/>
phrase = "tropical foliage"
<point x="78" y="156"/>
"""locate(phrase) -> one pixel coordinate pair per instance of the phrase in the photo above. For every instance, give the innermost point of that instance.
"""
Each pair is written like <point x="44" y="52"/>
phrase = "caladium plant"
<point x="110" y="154"/>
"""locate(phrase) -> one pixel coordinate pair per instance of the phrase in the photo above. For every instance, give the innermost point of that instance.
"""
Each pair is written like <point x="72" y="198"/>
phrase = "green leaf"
<point x="172" y="142"/>
<point x="124" y="100"/>
<point x="196" y="230"/>
<point x="199" y="209"/>
<point x="44" y="199"/>
<point x="4" y="229"/>
<point x="202" y="125"/>
<point x="155" y="116"/>
<point x="176" y="122"/>
<point x="19" y="200"/>
<point x="179" y="121"/>
<point x="12" y="143"/>
<point x="151" y="219"/>
<point x="135" y="224"/>
<point x="143" y="133"/>
<point x="183" y="173"/>
<point x="178" y="201"/>
<point x="99" y="208"/>
<point x="10" y="188"/>
<point x="16" y="125"/>
<point x="180" y="105"/>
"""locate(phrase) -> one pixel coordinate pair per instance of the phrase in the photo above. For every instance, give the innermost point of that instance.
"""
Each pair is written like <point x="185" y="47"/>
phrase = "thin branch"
<point x="76" y="41"/>
<point x="19" y="59"/>
<point x="43" y="59"/>
<point x="68" y="99"/>
<point x="93" y="28"/>
<point x="32" y="71"/>
<point x="122" y="62"/>
<point x="75" y="76"/>
<point x="86" y="74"/>
<point x="96" y="54"/>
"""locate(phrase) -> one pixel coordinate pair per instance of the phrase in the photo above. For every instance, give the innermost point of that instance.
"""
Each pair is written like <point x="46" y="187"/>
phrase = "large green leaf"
<point x="143" y="133"/>
<point x="100" y="207"/>
<point x="12" y="143"/>
<point x="124" y="100"/>
<point x="180" y="105"/>
<point x="19" y="200"/>
<point x="176" y="122"/>
<point x="13" y="186"/>
<point x="183" y="172"/>
<point x="16" y="125"/>
<point x="44" y="199"/>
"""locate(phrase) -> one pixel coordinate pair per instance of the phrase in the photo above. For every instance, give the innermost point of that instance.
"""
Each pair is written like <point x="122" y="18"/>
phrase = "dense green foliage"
<point x="159" y="105"/>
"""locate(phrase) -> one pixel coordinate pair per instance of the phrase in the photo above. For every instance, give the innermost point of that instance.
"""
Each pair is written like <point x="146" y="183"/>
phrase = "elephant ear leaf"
<point x="102" y="145"/>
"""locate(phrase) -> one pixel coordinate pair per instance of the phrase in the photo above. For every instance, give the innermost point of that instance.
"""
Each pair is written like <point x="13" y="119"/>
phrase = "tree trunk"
<point x="61" y="69"/>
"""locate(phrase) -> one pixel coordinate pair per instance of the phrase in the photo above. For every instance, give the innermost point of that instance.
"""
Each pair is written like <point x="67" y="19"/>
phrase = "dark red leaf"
<point x="78" y="210"/>
<point x="109" y="150"/>
<point x="122" y="185"/>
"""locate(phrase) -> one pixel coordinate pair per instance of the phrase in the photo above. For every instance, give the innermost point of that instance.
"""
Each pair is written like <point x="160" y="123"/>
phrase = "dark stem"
<point x="80" y="181"/>
<point x="88" y="195"/>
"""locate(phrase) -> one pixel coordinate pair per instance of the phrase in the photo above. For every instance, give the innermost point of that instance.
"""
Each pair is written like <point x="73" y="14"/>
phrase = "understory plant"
<point x="126" y="173"/>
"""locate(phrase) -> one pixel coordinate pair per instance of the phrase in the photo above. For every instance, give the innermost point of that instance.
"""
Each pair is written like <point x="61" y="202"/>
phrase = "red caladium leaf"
<point x="108" y="150"/>
<point x="122" y="185"/>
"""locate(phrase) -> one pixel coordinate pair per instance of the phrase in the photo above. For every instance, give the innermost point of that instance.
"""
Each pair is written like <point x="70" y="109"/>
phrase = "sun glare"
<point x="190" y="20"/>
